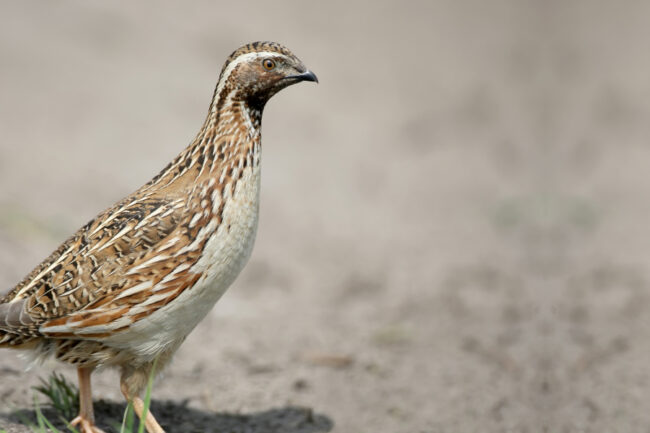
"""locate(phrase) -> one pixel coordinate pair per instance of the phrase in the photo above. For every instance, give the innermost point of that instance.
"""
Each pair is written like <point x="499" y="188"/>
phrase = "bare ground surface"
<point x="453" y="228"/>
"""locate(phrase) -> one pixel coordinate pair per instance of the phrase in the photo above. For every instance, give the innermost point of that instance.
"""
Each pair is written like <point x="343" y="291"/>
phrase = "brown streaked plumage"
<point x="128" y="287"/>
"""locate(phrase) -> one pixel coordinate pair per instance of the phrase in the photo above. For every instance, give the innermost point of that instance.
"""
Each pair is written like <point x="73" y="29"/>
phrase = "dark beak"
<point x="305" y="76"/>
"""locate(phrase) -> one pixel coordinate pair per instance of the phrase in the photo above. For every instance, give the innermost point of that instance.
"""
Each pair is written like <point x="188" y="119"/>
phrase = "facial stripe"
<point x="244" y="58"/>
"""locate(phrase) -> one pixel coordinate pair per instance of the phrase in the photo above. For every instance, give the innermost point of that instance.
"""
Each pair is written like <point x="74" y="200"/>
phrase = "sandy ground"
<point x="453" y="229"/>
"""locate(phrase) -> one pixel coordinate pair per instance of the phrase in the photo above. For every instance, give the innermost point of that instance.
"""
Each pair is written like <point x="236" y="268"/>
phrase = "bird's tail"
<point x="5" y="339"/>
<point x="16" y="341"/>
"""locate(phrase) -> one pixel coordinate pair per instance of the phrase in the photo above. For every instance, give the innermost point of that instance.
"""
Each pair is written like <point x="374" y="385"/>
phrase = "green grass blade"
<point x="49" y="424"/>
<point x="62" y="395"/>
<point x="68" y="425"/>
<point x="25" y="421"/>
<point x="147" y="397"/>
<point x="39" y="416"/>
<point x="63" y="398"/>
<point x="128" y="419"/>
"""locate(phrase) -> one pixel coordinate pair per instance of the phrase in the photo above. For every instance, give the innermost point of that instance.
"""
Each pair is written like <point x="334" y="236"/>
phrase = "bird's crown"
<point x="261" y="47"/>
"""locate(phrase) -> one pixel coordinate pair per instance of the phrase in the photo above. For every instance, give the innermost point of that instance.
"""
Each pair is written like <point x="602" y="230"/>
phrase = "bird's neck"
<point x="230" y="136"/>
<point x="233" y="123"/>
<point x="232" y="103"/>
<point x="231" y="128"/>
<point x="234" y="114"/>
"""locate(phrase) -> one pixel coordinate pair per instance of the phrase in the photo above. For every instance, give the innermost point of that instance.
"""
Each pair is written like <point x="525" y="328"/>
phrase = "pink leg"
<point x="138" y="406"/>
<point x="86" y="418"/>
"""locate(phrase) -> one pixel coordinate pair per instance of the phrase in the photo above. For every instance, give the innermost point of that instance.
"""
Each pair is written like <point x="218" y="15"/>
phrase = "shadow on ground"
<point x="176" y="417"/>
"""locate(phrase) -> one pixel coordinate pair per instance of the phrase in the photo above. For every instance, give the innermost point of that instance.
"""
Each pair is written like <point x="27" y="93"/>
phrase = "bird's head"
<point x="257" y="71"/>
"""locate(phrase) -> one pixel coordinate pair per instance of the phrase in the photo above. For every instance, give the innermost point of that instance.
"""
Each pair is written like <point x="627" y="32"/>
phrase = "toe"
<point x="85" y="425"/>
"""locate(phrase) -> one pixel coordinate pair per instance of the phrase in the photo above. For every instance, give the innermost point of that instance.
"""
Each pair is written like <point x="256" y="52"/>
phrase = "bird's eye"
<point x="268" y="64"/>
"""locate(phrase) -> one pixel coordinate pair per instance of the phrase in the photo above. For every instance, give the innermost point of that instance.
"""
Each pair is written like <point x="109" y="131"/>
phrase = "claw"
<point x="86" y="426"/>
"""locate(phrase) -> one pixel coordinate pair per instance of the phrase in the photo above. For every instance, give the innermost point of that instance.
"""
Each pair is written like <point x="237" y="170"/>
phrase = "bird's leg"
<point x="150" y="422"/>
<point x="86" y="418"/>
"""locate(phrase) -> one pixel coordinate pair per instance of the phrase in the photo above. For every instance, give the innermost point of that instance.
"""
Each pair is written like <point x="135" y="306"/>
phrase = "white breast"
<point x="224" y="256"/>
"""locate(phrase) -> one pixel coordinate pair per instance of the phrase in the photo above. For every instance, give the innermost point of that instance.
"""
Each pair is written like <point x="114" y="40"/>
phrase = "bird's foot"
<point x="85" y="425"/>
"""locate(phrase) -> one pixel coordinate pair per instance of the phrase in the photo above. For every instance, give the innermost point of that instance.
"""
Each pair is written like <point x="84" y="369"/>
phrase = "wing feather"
<point x="86" y="273"/>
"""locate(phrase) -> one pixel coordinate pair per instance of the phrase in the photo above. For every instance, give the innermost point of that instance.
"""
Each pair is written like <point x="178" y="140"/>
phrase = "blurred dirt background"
<point x="453" y="231"/>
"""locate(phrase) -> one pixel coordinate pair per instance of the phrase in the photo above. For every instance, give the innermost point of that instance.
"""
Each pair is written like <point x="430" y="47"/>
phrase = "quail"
<point x="127" y="288"/>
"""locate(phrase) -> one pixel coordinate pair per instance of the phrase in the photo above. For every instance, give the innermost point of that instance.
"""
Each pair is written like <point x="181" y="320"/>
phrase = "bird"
<point x="127" y="288"/>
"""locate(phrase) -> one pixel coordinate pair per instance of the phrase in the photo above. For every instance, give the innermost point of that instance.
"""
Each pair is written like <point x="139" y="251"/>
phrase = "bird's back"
<point x="193" y="223"/>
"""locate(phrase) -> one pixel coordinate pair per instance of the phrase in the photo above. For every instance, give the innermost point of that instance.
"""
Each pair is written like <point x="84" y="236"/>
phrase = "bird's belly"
<point x="224" y="255"/>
